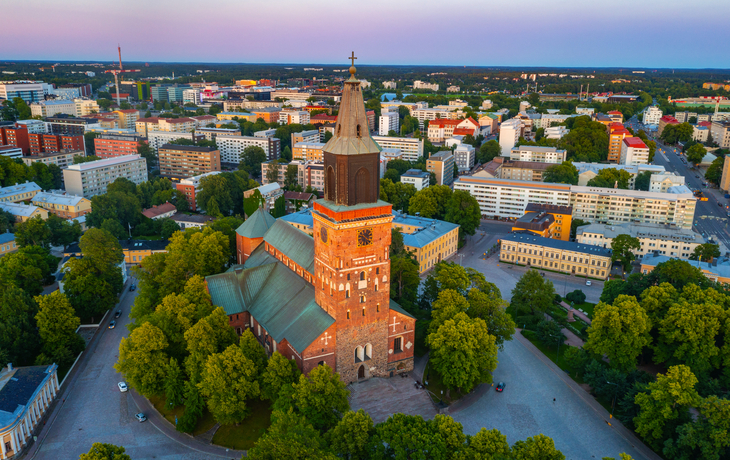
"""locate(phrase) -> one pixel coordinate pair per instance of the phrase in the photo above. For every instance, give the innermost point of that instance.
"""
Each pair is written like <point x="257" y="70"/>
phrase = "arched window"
<point x="362" y="298"/>
<point x="362" y="185"/>
<point x="330" y="184"/>
<point x="368" y="351"/>
<point x="362" y="276"/>
<point x="363" y="311"/>
<point x="359" y="354"/>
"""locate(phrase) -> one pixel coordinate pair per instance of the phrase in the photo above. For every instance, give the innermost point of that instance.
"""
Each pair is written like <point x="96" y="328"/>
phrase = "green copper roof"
<point x="296" y="244"/>
<point x="394" y="306"/>
<point x="256" y="225"/>
<point x="280" y="300"/>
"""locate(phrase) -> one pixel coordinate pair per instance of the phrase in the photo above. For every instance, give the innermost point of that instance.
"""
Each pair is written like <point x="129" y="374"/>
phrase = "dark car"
<point x="500" y="387"/>
<point x="112" y="325"/>
<point x="133" y="287"/>
<point x="118" y="314"/>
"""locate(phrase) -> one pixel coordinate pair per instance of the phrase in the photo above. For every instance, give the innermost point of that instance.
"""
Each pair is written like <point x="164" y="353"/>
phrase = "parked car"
<point x="132" y="287"/>
<point x="588" y="282"/>
<point x="118" y="314"/>
<point x="112" y="324"/>
<point x="140" y="417"/>
<point x="122" y="386"/>
<point x="500" y="387"/>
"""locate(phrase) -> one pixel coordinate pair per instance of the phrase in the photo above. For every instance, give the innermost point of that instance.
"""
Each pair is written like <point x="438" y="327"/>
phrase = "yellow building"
<point x="725" y="180"/>
<point x="308" y="151"/>
<point x="246" y="82"/>
<point x="66" y="206"/>
<point x="7" y="243"/>
<point x="717" y="270"/>
<point x="546" y="220"/>
<point x="526" y="248"/>
<point x="23" y="212"/>
<point x="19" y="192"/>
<point x="228" y="116"/>
<point x="430" y="240"/>
<point x="135" y="251"/>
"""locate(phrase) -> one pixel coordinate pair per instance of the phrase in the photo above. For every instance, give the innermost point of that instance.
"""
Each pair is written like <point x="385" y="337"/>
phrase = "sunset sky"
<point x="623" y="33"/>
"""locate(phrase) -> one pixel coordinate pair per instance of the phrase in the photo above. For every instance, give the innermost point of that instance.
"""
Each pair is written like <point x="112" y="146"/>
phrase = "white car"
<point x="140" y="417"/>
<point x="122" y="386"/>
<point x="588" y="282"/>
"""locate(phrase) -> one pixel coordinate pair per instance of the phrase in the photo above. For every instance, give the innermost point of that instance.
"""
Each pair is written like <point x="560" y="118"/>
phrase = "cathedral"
<point x="326" y="298"/>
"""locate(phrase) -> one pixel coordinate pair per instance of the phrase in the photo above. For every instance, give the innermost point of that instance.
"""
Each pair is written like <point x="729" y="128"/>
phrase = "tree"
<point x="104" y="451"/>
<point x="63" y="232"/>
<point x="668" y="398"/>
<point x="404" y="278"/>
<point x="33" y="231"/>
<point x="278" y="373"/>
<point x="576" y="297"/>
<point x="550" y="333"/>
<point x="487" y="444"/>
<point x="396" y="193"/>
<point x="430" y="202"/>
<point x="142" y="359"/>
<point x="463" y="209"/>
<point x="620" y="332"/>
<point x="643" y="181"/>
<point x="215" y="188"/>
<point x="586" y="141"/>
<point x="174" y="384"/>
<point x="194" y="406"/>
<point x="19" y="339"/>
<point x="272" y="171"/>
<point x="678" y="273"/>
<point x="251" y="159"/>
<point x="29" y="268"/>
<point x="228" y="381"/>
<point x="609" y="177"/>
<point x="490" y="308"/>
<point x="6" y="220"/>
<point x="279" y="207"/>
<point x="463" y="352"/>
<point x="564" y="173"/>
<point x="532" y="294"/>
<point x="696" y="153"/>
<point x="321" y="398"/>
<point x="410" y="437"/>
<point x="57" y="326"/>
<point x="291" y="177"/>
<point x="24" y="112"/>
<point x="708" y="437"/>
<point x="705" y="252"/>
<point x="538" y="447"/>
<point x="488" y="151"/>
<point x="351" y="436"/>
<point x="623" y="247"/>
<point x="290" y="436"/>
<point x="448" y="304"/>
<point x="253" y="350"/>
<point x="714" y="172"/>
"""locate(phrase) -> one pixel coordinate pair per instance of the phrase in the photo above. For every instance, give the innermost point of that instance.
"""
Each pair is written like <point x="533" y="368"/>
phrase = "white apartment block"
<point x="668" y="240"/>
<point x="453" y="89"/>
<point x="419" y="179"/>
<point x="418" y="84"/>
<point x="290" y="117"/>
<point x="509" y="133"/>
<point x="506" y="198"/>
<point x="587" y="171"/>
<point x="720" y="132"/>
<point x="410" y="147"/>
<point x="464" y="157"/>
<point x="191" y="96"/>
<point x="428" y="114"/>
<point x="585" y="110"/>
<point x="389" y="85"/>
<point x="652" y="115"/>
<point x="389" y="121"/>
<point x="92" y="178"/>
<point x="634" y="152"/>
<point x="290" y="95"/>
<point x="86" y="107"/>
<point x="700" y="133"/>
<point x="676" y="206"/>
<point x="536" y="153"/>
<point x="411" y="106"/>
<point x="232" y="147"/>
<point x="34" y="126"/>
<point x="231" y="105"/>
<point x="556" y="132"/>
<point x="212" y="133"/>
<point x="157" y="139"/>
<point x="61" y="159"/>
<point x="662" y="182"/>
<point x="51" y="108"/>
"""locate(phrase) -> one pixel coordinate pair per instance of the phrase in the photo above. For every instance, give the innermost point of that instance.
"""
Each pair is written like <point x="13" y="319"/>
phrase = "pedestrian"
<point x="553" y="400"/>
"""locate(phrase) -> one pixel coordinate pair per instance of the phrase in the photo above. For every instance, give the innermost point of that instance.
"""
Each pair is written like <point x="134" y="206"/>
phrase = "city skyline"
<point x="534" y="34"/>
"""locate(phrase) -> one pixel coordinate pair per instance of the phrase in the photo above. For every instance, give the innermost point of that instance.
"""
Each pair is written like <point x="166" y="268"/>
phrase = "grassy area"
<point x="421" y="333"/>
<point x="436" y="385"/>
<point x="244" y="435"/>
<point x="205" y="423"/>
<point x="587" y="307"/>
<point x="551" y="352"/>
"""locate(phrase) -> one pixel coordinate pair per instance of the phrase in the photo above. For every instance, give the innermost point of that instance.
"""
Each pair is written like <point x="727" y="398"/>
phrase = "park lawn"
<point x="436" y="386"/>
<point x="205" y="423"/>
<point x="587" y="307"/>
<point x="244" y="435"/>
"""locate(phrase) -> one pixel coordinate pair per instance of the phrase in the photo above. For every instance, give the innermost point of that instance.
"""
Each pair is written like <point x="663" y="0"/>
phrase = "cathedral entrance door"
<point x="361" y="372"/>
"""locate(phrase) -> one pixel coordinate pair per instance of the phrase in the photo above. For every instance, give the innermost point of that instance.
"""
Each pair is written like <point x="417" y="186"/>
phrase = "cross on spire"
<point x="352" y="58"/>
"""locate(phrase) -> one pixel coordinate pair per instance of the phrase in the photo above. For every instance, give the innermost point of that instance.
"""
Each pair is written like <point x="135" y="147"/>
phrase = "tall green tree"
<point x="19" y="339"/>
<point x="532" y="294"/>
<point x="609" y="177"/>
<point x="463" y="209"/>
<point x="447" y="305"/>
<point x="705" y="252"/>
<point x="491" y="308"/>
<point x="488" y="151"/>
<point x="63" y="232"/>
<point x="142" y="359"/>
<point x="290" y="436"/>
<point x="643" y="181"/>
<point x="622" y="250"/>
<point x="564" y="173"/>
<point x="431" y="202"/>
<point x="538" y="447"/>
<point x="29" y="268"/>
<point x="103" y="451"/>
<point x="57" y="324"/>
<point x="696" y="153"/>
<point x="278" y="373"/>
<point x="215" y="188"/>
<point x="251" y="159"/>
<point x="33" y="231"/>
<point x="350" y="438"/>
<point x="409" y="437"/>
<point x="708" y="437"/>
<point x="174" y="384"/>
<point x="321" y="397"/>
<point x="396" y="193"/>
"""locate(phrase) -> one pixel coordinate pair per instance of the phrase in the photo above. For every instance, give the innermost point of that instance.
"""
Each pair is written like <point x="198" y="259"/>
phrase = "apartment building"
<point x="18" y="192"/>
<point x="92" y="178"/>
<point x="521" y="170"/>
<point x="293" y="95"/>
<point x="40" y="143"/>
<point x="509" y="134"/>
<point x="720" y="132"/>
<point x="547" y="220"/>
<point x="388" y="121"/>
<point x="191" y="186"/>
<point x="430" y="240"/>
<point x="231" y="105"/>
<point x="418" y="84"/>
<point x="7" y="243"/>
<point x="305" y="136"/>
<point x="269" y="192"/>
<point x="616" y="135"/>
<point x="60" y="159"/>
<point x="411" y="106"/>
<point x="183" y="161"/>
<point x="27" y="91"/>
<point x="63" y="205"/>
<point x="34" y="126"/>
<point x="268" y="114"/>
<point x="53" y="107"/>
<point x="634" y="152"/>
<point x="116" y="145"/>
<point x="504" y="198"/>
<point x="308" y="151"/>
<point x="145" y="126"/>
<point x="212" y="133"/>
<point x="700" y="132"/>
<point x="15" y="136"/>
<point x="419" y="179"/>
<point x="85" y="107"/>
<point x="464" y="157"/>
<point x="22" y="212"/>
<point x="652" y="115"/>
<point x="608" y="205"/>
<point x="312" y="175"/>
<point x="442" y="165"/>
<point x="232" y="147"/>
<point x="127" y="118"/>
<point x="587" y="171"/>
<point x="11" y="152"/>
<point x="410" y="147"/>
<point x="533" y="251"/>
<point x="666" y="239"/>
<point x="289" y="117"/>
<point x="717" y="270"/>
<point x="664" y="121"/>
<point x="191" y="96"/>
<point x="236" y="116"/>
<point x="537" y="154"/>
<point x="424" y="115"/>
<point x="662" y="182"/>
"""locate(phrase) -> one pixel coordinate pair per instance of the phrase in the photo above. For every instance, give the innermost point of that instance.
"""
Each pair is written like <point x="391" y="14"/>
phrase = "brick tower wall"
<point x="348" y="339"/>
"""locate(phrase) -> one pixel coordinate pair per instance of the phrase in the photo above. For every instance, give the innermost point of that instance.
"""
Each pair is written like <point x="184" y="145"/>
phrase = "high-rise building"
<point x="50" y="108"/>
<point x="27" y="91"/>
<point x="389" y="121"/>
<point x="616" y="135"/>
<point x="232" y="147"/>
<point x="191" y="186"/>
<point x="509" y="134"/>
<point x="183" y="161"/>
<point x="91" y="178"/>
<point x="410" y="147"/>
<point x="117" y="145"/>
<point x="634" y="152"/>
<point x="652" y="115"/>
<point x="442" y="165"/>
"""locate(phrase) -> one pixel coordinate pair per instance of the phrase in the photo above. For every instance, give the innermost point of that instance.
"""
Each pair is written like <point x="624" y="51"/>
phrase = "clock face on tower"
<point x="364" y="237"/>
<point x="323" y="234"/>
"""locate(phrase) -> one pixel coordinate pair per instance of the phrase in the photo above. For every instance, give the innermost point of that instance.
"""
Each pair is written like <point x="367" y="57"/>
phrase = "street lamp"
<point x="613" y="405"/>
<point x="461" y="259"/>
<point x="557" y="358"/>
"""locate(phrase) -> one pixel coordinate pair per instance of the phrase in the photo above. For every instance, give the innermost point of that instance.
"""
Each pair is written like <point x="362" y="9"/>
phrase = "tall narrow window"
<point x="347" y="294"/>
<point x="362" y="276"/>
<point x="398" y="344"/>
<point x="363" y="311"/>
<point x="348" y="314"/>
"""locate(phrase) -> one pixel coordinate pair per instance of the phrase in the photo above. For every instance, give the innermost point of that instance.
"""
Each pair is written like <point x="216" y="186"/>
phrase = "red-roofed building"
<point x="616" y="116"/>
<point x="322" y="119"/>
<point x="664" y="121"/>
<point x="634" y="152"/>
<point x="166" y="209"/>
<point x="616" y="134"/>
<point x="441" y="129"/>
<point x="295" y="200"/>
<point x="706" y="124"/>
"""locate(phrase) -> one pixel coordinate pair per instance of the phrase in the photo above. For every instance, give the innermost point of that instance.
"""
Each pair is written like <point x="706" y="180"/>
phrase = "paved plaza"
<point x="381" y="398"/>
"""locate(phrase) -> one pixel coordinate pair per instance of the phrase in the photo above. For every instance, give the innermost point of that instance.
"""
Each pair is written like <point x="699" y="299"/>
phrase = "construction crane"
<point x="116" y="72"/>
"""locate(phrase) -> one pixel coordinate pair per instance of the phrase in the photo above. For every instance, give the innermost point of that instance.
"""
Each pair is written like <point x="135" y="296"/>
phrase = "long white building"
<point x="51" y="108"/>
<point x="157" y="139"/>
<point x="667" y="240"/>
<point x="232" y="147"/>
<point x="537" y="153"/>
<point x="410" y="147"/>
<point x="92" y="178"/>
<point x="587" y="171"/>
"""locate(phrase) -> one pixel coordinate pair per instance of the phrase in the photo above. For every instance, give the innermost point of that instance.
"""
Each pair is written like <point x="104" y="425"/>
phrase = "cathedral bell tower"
<point x="352" y="242"/>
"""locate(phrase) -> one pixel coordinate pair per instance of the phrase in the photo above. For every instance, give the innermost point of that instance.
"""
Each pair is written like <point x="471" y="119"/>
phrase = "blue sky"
<point x="555" y="33"/>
